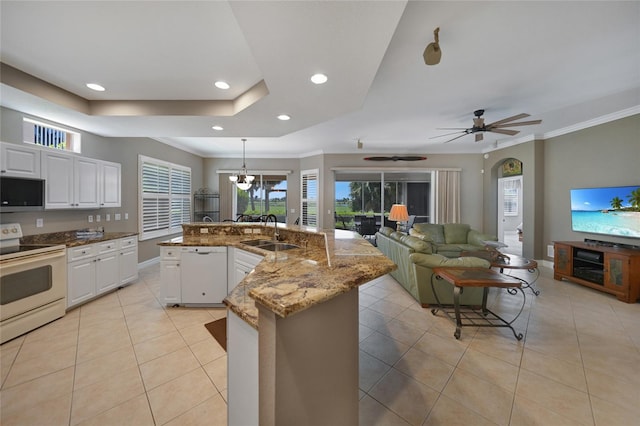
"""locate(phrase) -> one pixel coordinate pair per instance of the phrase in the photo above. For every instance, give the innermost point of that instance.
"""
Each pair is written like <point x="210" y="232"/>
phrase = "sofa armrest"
<point x="476" y="238"/>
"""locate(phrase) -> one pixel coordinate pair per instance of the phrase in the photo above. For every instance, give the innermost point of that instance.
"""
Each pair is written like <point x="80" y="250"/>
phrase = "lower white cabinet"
<point x="242" y="371"/>
<point x="170" y="275"/>
<point x="243" y="263"/>
<point x="94" y="269"/>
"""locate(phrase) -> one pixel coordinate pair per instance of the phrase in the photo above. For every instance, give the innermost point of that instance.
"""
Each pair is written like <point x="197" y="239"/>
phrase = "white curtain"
<point x="447" y="198"/>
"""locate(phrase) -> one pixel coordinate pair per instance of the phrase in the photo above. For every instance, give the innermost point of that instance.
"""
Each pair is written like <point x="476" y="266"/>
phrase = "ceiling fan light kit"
<point x="433" y="53"/>
<point x="479" y="127"/>
<point x="243" y="180"/>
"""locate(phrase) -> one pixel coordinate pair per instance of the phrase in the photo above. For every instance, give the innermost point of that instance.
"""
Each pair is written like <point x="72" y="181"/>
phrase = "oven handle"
<point x="34" y="257"/>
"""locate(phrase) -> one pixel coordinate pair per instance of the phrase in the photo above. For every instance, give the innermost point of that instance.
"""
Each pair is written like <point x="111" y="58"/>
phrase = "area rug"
<point x="218" y="330"/>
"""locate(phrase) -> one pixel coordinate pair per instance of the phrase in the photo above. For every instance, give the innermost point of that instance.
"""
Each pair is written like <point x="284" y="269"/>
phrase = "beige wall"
<point x="604" y="155"/>
<point x="120" y="150"/>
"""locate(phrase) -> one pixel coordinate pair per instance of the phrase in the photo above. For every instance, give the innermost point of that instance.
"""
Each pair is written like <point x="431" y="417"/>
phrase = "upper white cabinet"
<point x="110" y="185"/>
<point x="71" y="181"/>
<point x="74" y="182"/>
<point x="19" y="161"/>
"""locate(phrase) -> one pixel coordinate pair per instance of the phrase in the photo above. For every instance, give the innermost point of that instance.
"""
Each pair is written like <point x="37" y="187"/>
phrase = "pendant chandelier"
<point x="243" y="180"/>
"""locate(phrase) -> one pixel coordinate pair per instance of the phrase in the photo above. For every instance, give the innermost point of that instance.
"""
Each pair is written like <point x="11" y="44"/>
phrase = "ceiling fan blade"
<point x="451" y="128"/>
<point x="457" y="137"/>
<point x="446" y="134"/>
<point x="397" y="158"/>
<point x="504" y="131"/>
<point x="479" y="137"/>
<point x="506" y="120"/>
<point x="522" y="123"/>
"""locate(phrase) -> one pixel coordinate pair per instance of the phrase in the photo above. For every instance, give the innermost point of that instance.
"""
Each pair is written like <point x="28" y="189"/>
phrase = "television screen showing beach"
<point x="611" y="210"/>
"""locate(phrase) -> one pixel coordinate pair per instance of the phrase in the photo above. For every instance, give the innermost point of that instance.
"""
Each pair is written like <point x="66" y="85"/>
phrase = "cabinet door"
<point x="110" y="187"/>
<point x="81" y="281"/>
<point x="562" y="259"/>
<point x="616" y="273"/>
<point x="19" y="161"/>
<point x="170" y="281"/>
<point x="240" y="271"/>
<point x="107" y="272"/>
<point x="86" y="188"/>
<point x="128" y="265"/>
<point x="57" y="170"/>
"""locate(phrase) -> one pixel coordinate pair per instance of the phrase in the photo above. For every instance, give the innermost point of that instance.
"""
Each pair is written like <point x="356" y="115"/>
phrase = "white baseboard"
<point x="148" y="263"/>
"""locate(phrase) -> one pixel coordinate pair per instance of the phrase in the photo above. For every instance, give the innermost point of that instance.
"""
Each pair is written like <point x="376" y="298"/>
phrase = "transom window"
<point x="50" y="136"/>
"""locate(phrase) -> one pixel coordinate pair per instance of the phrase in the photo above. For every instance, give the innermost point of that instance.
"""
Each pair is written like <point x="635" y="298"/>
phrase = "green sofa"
<point x="450" y="239"/>
<point x="415" y="262"/>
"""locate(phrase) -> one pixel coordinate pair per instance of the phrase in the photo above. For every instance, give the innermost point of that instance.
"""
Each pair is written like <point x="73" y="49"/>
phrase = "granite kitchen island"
<point x="292" y="323"/>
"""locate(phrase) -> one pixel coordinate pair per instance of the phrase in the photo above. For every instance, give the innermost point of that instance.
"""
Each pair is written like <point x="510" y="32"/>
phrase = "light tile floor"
<point x="125" y="359"/>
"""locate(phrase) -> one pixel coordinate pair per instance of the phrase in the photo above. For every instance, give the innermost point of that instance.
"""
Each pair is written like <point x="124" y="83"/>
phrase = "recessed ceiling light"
<point x="284" y="117"/>
<point x="319" y="78"/>
<point x="96" y="87"/>
<point x="222" y="85"/>
<point x="217" y="127"/>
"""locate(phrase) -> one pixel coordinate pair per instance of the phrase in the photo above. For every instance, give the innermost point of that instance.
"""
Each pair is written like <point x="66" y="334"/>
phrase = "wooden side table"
<point x="475" y="277"/>
<point x="512" y="261"/>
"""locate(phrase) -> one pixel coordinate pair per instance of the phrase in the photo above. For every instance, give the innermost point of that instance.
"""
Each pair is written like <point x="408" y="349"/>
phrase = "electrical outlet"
<point x="126" y="216"/>
<point x="550" y="251"/>
<point x="293" y="210"/>
<point x="98" y="218"/>
<point x="39" y="223"/>
<point x="204" y="230"/>
<point x="117" y="216"/>
<point x="90" y="218"/>
<point x="108" y="217"/>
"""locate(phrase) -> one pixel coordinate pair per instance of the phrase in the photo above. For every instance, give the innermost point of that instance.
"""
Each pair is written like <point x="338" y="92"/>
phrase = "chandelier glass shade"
<point x="243" y="180"/>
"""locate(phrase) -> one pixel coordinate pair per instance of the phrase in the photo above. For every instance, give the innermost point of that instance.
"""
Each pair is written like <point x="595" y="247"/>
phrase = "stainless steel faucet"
<point x="276" y="235"/>
<point x="207" y="219"/>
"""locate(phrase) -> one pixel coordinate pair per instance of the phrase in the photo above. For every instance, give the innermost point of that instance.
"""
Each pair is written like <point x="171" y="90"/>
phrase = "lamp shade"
<point x="399" y="213"/>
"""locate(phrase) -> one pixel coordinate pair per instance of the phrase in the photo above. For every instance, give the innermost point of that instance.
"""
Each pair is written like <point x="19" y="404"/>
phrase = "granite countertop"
<point x="71" y="239"/>
<point x="327" y="264"/>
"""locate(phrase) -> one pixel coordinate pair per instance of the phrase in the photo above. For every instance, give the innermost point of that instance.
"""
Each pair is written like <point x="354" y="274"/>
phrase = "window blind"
<point x="164" y="197"/>
<point x="309" y="197"/>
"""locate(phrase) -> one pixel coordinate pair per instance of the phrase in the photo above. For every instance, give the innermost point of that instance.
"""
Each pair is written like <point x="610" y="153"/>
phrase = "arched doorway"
<point x="510" y="206"/>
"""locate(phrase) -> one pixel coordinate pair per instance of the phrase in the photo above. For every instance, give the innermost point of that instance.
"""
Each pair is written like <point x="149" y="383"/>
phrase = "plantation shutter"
<point x="164" y="197"/>
<point x="309" y="197"/>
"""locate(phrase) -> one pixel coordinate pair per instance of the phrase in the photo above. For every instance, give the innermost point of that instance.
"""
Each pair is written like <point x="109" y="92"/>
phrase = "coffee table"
<point x="475" y="277"/>
<point x="512" y="262"/>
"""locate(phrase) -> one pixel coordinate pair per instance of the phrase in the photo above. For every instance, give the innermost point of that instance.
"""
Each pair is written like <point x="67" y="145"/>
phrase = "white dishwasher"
<point x="203" y="275"/>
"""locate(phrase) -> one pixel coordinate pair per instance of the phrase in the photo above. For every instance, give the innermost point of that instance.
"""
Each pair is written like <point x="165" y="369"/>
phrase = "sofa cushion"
<point x="432" y="232"/>
<point x="456" y="233"/>
<point x="397" y="235"/>
<point x="416" y="244"/>
<point x="385" y="230"/>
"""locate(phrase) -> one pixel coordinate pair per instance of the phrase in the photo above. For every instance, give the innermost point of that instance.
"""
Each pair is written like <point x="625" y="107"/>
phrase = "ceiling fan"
<point x="479" y="127"/>
<point x="397" y="158"/>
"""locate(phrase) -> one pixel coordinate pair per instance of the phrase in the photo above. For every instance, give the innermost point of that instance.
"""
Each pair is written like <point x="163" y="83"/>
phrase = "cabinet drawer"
<point x="170" y="253"/>
<point x="81" y="252"/>
<point x="128" y="242"/>
<point x="107" y="246"/>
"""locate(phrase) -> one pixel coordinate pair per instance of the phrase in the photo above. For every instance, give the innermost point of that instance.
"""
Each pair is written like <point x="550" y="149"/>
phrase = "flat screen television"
<point x="609" y="210"/>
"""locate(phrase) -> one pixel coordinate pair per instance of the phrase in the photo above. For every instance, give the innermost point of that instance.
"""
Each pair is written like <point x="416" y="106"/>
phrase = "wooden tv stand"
<point x="606" y="268"/>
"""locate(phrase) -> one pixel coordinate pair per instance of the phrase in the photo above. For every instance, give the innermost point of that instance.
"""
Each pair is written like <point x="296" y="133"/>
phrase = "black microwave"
<point x="21" y="194"/>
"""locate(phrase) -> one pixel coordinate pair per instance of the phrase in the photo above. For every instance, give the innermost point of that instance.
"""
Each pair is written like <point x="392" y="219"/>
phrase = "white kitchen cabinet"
<point x="81" y="274"/>
<point x="110" y="184"/>
<point x="128" y="262"/>
<point x="19" y="161"/>
<point x="71" y="181"/>
<point x="242" y="371"/>
<point x="243" y="264"/>
<point x="107" y="266"/>
<point x="170" y="275"/>
<point x="95" y="269"/>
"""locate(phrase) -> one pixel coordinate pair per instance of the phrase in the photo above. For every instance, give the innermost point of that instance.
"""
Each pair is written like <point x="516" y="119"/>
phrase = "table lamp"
<point x="398" y="214"/>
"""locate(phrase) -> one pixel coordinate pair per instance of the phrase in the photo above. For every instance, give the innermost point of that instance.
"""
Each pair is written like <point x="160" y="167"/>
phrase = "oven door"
<point x="31" y="281"/>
